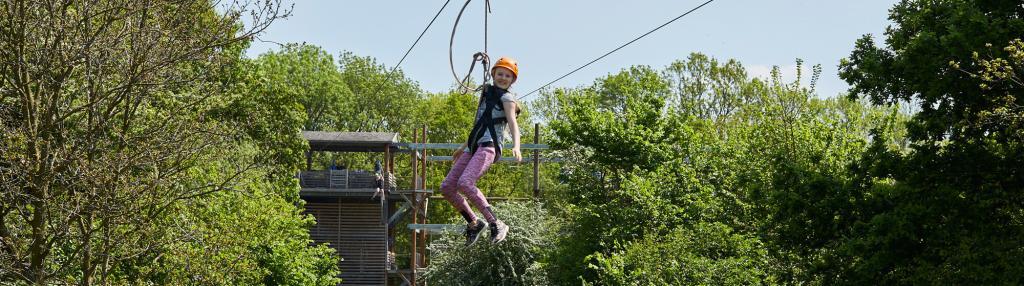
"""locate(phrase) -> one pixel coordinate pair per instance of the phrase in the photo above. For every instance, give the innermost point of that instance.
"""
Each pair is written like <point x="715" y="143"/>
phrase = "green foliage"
<point x="172" y="158"/>
<point x="702" y="254"/>
<point x="385" y="100"/>
<point x="246" y="228"/>
<point x="448" y="115"/>
<point x="245" y="236"/>
<point x="760" y="160"/>
<point x="948" y="211"/>
<point x="999" y="76"/>
<point x="514" y="261"/>
<point x="706" y="88"/>
<point x="630" y="168"/>
<point x="620" y="119"/>
<point x="308" y="74"/>
<point x="268" y="242"/>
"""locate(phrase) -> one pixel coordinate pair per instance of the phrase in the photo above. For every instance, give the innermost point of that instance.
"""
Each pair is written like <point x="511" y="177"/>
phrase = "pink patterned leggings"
<point x="462" y="179"/>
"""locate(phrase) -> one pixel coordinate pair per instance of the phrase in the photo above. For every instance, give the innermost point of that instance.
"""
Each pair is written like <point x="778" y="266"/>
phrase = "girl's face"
<point x="503" y="77"/>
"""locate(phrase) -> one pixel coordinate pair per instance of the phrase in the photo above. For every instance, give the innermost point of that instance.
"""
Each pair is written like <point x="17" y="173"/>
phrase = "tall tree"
<point x="753" y="171"/>
<point x="947" y="212"/>
<point x="310" y="74"/>
<point x="385" y="98"/>
<point x="103" y="120"/>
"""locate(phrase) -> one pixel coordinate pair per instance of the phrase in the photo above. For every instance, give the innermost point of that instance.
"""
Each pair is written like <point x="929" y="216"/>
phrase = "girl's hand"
<point x="518" y="154"/>
<point x="457" y="154"/>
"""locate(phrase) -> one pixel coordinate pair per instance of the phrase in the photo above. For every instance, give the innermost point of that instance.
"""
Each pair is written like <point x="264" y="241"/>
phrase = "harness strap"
<point x="491" y="98"/>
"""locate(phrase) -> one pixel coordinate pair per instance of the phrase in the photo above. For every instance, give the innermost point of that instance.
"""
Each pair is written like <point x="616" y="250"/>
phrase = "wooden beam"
<point x="415" y="215"/>
<point x="399" y="213"/>
<point x="495" y="199"/>
<point x="423" y="160"/>
<point x="309" y="160"/>
<point x="437" y="228"/>
<point x="502" y="160"/>
<point x="453" y="146"/>
<point x="426" y="198"/>
<point x="536" y="161"/>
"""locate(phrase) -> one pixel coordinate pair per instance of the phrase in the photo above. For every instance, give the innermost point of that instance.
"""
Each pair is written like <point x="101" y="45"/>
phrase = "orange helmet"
<point x="508" y="63"/>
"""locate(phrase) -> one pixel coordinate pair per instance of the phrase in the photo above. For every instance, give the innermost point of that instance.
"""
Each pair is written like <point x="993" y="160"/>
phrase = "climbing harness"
<point x="491" y="99"/>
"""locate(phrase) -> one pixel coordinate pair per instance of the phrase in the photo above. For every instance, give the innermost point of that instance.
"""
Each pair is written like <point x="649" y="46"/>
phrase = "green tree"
<point x="706" y="88"/>
<point x="385" y="99"/>
<point x="139" y="147"/>
<point x="625" y="174"/>
<point x="999" y="76"/>
<point x="310" y="74"/>
<point x="947" y="211"/>
<point x="621" y="119"/>
<point x="762" y="162"/>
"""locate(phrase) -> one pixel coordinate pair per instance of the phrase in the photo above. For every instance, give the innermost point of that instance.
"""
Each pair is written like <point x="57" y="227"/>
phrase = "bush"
<point x="707" y="253"/>
<point x="515" y="261"/>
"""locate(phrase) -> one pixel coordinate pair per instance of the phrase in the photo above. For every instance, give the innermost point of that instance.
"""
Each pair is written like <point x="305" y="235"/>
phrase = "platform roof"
<point x="350" y="141"/>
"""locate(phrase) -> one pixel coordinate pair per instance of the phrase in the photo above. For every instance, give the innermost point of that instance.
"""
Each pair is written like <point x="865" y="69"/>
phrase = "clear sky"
<point x="551" y="38"/>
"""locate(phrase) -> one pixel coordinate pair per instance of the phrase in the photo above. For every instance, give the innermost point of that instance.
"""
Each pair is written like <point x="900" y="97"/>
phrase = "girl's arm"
<point x="513" y="125"/>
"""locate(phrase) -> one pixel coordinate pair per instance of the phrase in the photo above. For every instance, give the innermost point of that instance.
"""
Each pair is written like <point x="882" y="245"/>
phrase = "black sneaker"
<point x="498" y="231"/>
<point x="473" y="233"/>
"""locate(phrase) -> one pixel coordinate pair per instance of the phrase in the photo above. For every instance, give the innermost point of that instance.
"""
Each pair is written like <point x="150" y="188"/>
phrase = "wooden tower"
<point x="356" y="212"/>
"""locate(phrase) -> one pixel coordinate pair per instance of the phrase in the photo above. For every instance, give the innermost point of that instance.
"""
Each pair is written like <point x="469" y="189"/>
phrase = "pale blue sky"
<point x="551" y="38"/>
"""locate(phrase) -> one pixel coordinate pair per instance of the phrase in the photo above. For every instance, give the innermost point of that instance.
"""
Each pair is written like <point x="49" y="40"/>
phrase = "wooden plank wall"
<point x="338" y="179"/>
<point x="356" y="231"/>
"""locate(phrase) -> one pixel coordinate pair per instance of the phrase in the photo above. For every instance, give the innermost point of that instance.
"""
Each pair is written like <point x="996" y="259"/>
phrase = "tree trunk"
<point x="87" y="266"/>
<point x="37" y="250"/>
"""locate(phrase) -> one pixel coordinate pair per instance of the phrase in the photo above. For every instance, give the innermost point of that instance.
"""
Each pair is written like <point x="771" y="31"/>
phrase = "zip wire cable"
<point x="392" y="72"/>
<point x="616" y="49"/>
<point x="480" y="56"/>
<point x="487" y="6"/>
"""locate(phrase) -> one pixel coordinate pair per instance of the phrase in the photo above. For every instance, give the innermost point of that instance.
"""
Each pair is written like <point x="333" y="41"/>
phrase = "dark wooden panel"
<point x="356" y="231"/>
